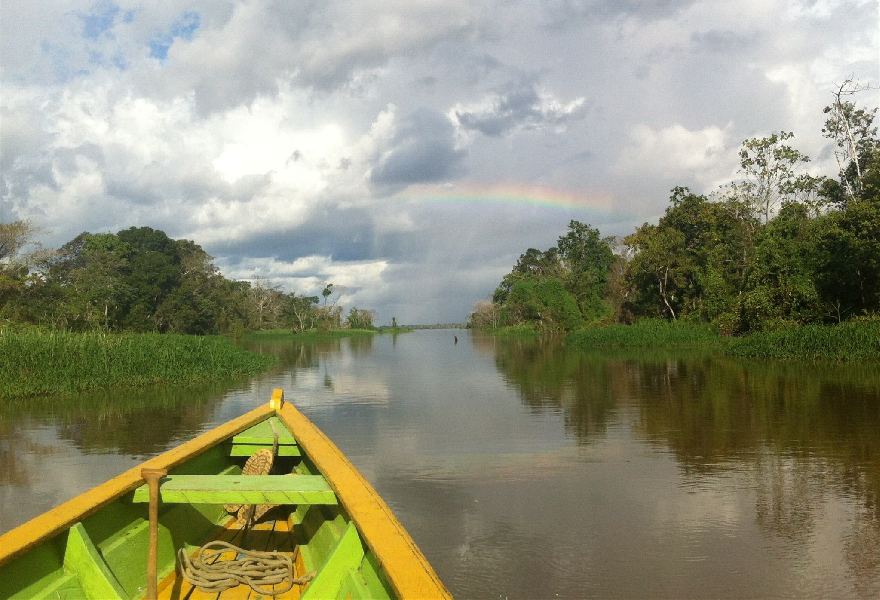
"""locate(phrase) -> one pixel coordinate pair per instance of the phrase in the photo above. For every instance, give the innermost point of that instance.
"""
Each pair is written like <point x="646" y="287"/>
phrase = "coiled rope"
<point x="254" y="569"/>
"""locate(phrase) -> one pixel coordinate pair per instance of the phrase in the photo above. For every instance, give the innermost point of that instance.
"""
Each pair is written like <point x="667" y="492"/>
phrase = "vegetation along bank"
<point x="40" y="362"/>
<point x="785" y="263"/>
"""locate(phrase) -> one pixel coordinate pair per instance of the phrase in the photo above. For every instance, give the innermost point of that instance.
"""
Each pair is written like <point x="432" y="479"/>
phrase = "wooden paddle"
<point x="152" y="477"/>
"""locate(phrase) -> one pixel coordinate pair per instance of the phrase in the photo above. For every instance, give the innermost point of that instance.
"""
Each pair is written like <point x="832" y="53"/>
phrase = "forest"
<point x="774" y="248"/>
<point x="141" y="281"/>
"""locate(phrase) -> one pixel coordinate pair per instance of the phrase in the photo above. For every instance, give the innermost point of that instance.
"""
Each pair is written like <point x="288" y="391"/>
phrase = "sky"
<point x="407" y="151"/>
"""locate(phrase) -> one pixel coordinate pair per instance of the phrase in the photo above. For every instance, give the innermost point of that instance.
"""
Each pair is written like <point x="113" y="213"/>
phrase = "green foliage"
<point x="547" y="305"/>
<point x="847" y="260"/>
<point x="692" y="261"/>
<point x="553" y="290"/>
<point x="587" y="258"/>
<point x="140" y="280"/>
<point x="311" y="334"/>
<point x="40" y="362"/>
<point x="360" y="318"/>
<point x="769" y="170"/>
<point x="647" y="332"/>
<point x="777" y="249"/>
<point x="856" y="143"/>
<point x="854" y="340"/>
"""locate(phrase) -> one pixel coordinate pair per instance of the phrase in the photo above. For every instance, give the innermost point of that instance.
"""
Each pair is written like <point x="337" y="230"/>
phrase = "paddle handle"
<point x="152" y="477"/>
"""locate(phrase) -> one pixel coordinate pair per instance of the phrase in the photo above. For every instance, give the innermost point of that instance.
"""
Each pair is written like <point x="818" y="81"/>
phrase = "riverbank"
<point x="38" y="363"/>
<point x="854" y="340"/>
<point x="648" y="333"/>
<point x="314" y="334"/>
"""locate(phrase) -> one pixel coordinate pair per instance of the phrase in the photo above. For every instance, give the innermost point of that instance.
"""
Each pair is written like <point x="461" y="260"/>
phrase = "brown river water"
<point x="524" y="469"/>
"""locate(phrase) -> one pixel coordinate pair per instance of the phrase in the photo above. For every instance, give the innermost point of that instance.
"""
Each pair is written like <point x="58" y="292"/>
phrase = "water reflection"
<point x="525" y="469"/>
<point x="802" y="439"/>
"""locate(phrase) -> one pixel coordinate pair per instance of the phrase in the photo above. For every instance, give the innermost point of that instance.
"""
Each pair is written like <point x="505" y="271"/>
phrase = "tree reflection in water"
<point x="803" y="432"/>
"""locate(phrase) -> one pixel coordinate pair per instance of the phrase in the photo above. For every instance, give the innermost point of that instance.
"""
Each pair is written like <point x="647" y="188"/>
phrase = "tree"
<point x="360" y="318"/>
<point x="545" y="304"/>
<point x="855" y="140"/>
<point x="587" y="258"/>
<point x="694" y="261"/>
<point x="847" y="253"/>
<point x="300" y="310"/>
<point x="485" y="315"/>
<point x="769" y="170"/>
<point x="781" y="286"/>
<point x="264" y="303"/>
<point x="14" y="264"/>
<point x="153" y="271"/>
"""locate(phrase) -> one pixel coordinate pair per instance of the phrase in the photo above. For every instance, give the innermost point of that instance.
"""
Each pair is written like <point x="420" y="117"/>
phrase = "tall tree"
<point x="855" y="140"/>
<point x="769" y="168"/>
<point x="587" y="258"/>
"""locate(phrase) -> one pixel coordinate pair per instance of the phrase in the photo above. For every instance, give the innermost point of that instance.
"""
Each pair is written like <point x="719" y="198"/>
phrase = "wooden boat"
<point x="343" y="540"/>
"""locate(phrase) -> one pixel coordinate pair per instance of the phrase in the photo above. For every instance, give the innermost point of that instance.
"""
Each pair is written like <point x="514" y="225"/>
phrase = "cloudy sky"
<point x="408" y="150"/>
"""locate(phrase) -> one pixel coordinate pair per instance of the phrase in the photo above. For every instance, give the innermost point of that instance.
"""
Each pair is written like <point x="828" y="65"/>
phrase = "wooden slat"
<point x="36" y="531"/>
<point x="284" y="542"/>
<point x="249" y="449"/>
<point x="174" y="587"/>
<point x="407" y="570"/>
<point x="262" y="433"/>
<point x="242" y="489"/>
<point x="259" y="538"/>
<point x="345" y="556"/>
<point x="82" y="559"/>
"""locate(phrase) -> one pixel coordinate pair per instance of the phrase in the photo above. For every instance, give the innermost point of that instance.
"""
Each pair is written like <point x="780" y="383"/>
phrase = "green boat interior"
<point x="105" y="555"/>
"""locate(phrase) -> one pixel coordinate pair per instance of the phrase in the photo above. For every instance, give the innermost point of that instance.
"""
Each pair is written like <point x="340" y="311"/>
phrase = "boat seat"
<point x="262" y="436"/>
<point x="241" y="489"/>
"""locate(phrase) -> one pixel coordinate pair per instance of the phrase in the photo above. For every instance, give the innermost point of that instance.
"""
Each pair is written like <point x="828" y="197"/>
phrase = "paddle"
<point x="152" y="477"/>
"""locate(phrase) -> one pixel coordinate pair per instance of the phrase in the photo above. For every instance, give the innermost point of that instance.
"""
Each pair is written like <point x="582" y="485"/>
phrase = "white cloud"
<point x="516" y="108"/>
<point x="245" y="171"/>
<point x="309" y="274"/>
<point x="703" y="155"/>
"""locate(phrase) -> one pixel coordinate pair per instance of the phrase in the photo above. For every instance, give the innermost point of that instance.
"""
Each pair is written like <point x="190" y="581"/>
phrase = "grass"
<point x="311" y="334"/>
<point x="514" y="331"/>
<point x="647" y="333"/>
<point x="37" y="363"/>
<point x="853" y="340"/>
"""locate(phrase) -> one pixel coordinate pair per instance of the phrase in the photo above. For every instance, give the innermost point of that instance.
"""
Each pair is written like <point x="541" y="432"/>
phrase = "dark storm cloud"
<point x="423" y="151"/>
<point x="514" y="106"/>
<point x="345" y="234"/>
<point x="565" y="13"/>
<point x="719" y="40"/>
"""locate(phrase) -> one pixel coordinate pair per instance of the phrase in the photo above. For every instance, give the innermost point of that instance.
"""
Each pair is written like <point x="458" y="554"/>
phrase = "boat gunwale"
<point x="408" y="571"/>
<point x="30" y="534"/>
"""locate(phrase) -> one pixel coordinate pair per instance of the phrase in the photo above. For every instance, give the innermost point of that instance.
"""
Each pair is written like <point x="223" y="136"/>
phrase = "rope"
<point x="254" y="569"/>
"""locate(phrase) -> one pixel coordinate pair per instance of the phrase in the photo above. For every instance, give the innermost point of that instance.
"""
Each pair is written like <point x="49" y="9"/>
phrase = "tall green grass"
<point x="310" y="334"/>
<point x="34" y="363"/>
<point x="853" y="340"/>
<point x="648" y="332"/>
<point x="514" y="331"/>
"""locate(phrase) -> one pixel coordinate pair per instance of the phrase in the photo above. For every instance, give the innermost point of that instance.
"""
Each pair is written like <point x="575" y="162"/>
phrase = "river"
<point x="524" y="469"/>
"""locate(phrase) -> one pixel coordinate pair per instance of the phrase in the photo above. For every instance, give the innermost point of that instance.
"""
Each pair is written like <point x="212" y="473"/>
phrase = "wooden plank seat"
<point x="262" y="436"/>
<point x="241" y="489"/>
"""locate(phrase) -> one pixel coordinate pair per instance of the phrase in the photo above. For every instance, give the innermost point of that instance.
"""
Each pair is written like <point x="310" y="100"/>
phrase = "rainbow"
<point x="515" y="194"/>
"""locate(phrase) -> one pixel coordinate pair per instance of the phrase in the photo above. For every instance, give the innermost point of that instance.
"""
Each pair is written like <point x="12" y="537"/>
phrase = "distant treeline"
<point x="438" y="326"/>
<point x="777" y="247"/>
<point x="140" y="280"/>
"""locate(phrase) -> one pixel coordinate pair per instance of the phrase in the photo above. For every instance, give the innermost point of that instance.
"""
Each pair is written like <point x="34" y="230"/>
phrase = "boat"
<point x="187" y="522"/>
